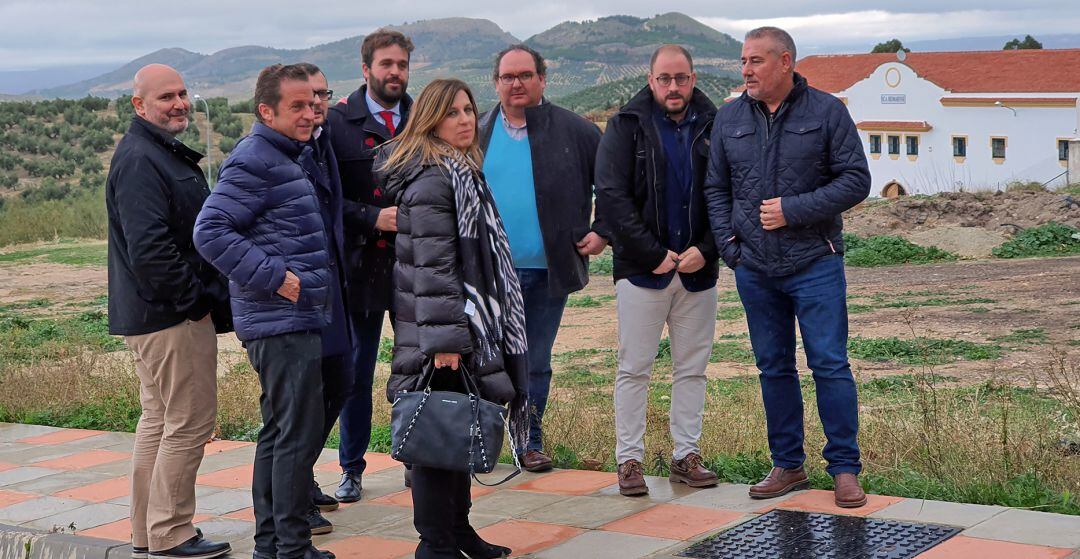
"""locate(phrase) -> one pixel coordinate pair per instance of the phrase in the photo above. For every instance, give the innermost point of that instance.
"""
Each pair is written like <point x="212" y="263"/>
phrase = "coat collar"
<point x="283" y="143"/>
<point x="641" y="105"/>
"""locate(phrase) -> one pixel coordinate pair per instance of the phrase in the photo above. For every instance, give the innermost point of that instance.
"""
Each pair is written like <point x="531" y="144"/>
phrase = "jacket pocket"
<point x="802" y="140"/>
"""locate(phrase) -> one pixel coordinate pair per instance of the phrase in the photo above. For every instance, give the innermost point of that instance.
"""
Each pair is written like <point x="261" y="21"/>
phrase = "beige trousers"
<point x="177" y="370"/>
<point x="691" y="321"/>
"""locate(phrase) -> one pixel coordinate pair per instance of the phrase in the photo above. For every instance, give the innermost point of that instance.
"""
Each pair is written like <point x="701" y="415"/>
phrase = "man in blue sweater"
<point x="263" y="228"/>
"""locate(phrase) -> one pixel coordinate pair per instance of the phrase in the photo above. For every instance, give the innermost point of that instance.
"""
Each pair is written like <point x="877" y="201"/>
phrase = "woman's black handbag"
<point x="454" y="431"/>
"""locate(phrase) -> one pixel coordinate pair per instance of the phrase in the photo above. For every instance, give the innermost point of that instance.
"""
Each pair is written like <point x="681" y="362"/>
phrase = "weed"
<point x="730" y="312"/>
<point x="920" y="350"/>
<point x="94" y="254"/>
<point x="588" y="301"/>
<point x="729" y="296"/>
<point x="601" y="265"/>
<point x="24" y="339"/>
<point x="886" y="250"/>
<point x="859" y="308"/>
<point x="1025" y="336"/>
<point x="731" y="352"/>
<point x="1052" y="239"/>
<point x="386" y="350"/>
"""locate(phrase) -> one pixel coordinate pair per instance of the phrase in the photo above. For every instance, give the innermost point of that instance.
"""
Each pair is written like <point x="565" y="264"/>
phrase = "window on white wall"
<point x="997" y="148"/>
<point x="959" y="146"/>
<point x="912" y="145"/>
<point x="1063" y="150"/>
<point x="894" y="145"/>
<point x="875" y="143"/>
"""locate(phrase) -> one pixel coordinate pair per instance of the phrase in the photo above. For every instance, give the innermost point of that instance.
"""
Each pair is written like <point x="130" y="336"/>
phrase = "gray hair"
<point x="779" y="36"/>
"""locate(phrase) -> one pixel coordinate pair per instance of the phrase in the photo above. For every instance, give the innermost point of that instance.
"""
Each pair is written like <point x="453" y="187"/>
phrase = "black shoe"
<point x="429" y="551"/>
<point x="325" y="502"/>
<point x="349" y="489"/>
<point x="195" y="548"/>
<point x="318" y="523"/>
<point x="312" y="553"/>
<point x="472" y="545"/>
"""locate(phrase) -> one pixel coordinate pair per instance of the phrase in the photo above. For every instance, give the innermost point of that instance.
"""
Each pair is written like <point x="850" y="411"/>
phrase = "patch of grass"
<point x="79" y="255"/>
<point x="24" y="339"/>
<point x="920" y="350"/>
<point x="979" y="310"/>
<point x="386" y="350"/>
<point x="906" y="301"/>
<point x="577" y="375"/>
<point x="730" y="312"/>
<point x="601" y="265"/>
<point x="859" y="308"/>
<point x="588" y="301"/>
<point x="1052" y="239"/>
<point x="1024" y="336"/>
<point x="731" y="352"/>
<point x="729" y="296"/>
<point x="888" y="250"/>
<point x="81" y="216"/>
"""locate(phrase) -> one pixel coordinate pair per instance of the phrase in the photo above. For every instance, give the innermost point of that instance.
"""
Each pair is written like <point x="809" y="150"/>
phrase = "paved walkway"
<point x="78" y="481"/>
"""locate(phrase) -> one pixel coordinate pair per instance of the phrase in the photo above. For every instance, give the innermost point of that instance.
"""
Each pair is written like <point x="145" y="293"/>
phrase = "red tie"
<point x="388" y="118"/>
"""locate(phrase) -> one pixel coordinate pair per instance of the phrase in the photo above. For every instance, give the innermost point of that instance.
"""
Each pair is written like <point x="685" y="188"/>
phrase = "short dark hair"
<point x="380" y="39"/>
<point x="268" y="85"/>
<point x="671" y="48"/>
<point x="309" y="68"/>
<point x="541" y="66"/>
<point x="779" y="36"/>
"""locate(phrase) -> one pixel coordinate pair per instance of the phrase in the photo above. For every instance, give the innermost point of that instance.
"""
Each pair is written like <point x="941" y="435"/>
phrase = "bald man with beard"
<point x="168" y="304"/>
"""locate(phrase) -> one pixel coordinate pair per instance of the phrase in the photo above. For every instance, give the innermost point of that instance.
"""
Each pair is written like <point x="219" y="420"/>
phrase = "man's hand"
<point x="290" y="288"/>
<point x="447" y="360"/>
<point x="591" y="244"/>
<point x="691" y="261"/>
<point x="772" y="214"/>
<point x="669" y="263"/>
<point x="387" y="220"/>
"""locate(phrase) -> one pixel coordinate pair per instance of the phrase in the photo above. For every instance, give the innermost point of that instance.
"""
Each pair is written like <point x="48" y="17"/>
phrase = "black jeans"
<point x="290" y="372"/>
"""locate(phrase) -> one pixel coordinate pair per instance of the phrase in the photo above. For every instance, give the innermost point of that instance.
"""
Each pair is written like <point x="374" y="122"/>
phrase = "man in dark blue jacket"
<point x="649" y="171"/>
<point x="263" y="228"/>
<point x="785" y="162"/>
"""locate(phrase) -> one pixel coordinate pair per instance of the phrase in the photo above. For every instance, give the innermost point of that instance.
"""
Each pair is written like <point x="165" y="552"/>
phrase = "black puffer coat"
<point x="429" y="299"/>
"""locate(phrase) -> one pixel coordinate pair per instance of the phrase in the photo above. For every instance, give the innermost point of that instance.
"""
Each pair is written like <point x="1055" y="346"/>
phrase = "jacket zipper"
<point x="690" y="211"/>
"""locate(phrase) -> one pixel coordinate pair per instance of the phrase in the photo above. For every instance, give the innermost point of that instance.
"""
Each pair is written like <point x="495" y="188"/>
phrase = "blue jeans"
<point x="355" y="415"/>
<point x="542" y="316"/>
<point x="817" y="297"/>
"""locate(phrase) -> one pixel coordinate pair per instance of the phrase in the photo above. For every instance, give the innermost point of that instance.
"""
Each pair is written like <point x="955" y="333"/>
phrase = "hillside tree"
<point x="1029" y="43"/>
<point x="890" y="46"/>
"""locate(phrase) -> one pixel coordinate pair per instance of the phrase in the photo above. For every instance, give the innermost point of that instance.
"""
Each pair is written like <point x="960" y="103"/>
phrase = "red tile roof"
<point x="1001" y="71"/>
<point x="894" y="125"/>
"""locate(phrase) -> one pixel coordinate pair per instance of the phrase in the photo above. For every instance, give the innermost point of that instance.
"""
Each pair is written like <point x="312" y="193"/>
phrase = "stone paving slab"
<point x="566" y="514"/>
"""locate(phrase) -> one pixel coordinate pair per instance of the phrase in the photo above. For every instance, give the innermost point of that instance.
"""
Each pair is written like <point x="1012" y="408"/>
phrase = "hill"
<point x="580" y="54"/>
<point x="600" y="99"/>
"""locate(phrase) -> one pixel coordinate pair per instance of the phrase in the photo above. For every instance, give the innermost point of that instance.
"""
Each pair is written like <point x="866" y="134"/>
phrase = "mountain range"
<point x="580" y="55"/>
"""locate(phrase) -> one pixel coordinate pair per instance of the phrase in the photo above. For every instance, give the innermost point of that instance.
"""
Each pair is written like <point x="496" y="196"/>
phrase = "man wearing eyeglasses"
<point x="649" y="175"/>
<point x="539" y="161"/>
<point x="337" y="347"/>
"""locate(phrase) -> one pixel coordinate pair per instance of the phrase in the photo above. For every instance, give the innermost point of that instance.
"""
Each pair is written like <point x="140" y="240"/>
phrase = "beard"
<point x="380" y="90"/>
<point x="167" y="123"/>
<point x="676" y="104"/>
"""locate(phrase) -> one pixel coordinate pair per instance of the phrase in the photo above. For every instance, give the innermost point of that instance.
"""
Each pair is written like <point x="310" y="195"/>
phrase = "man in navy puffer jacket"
<point x="785" y="161"/>
<point x="262" y="228"/>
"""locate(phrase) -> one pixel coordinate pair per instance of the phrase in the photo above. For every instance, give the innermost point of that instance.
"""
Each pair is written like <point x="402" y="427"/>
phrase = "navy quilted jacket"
<point x="810" y="155"/>
<point x="262" y="219"/>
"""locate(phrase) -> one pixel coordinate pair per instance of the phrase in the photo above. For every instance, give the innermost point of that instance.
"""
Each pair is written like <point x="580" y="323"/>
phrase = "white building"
<point x="951" y="121"/>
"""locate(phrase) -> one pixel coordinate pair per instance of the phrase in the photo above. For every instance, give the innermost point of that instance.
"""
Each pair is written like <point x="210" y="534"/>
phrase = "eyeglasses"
<point x="524" y="77"/>
<point x="665" y="80"/>
<point x="324" y="94"/>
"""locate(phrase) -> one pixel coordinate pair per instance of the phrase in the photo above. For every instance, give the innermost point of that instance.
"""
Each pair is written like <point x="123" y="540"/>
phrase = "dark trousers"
<point x="290" y="372"/>
<point x="817" y="298"/>
<point x="356" y="409"/>
<point x="543" y="313"/>
<point x="337" y="376"/>
<point x="441" y="503"/>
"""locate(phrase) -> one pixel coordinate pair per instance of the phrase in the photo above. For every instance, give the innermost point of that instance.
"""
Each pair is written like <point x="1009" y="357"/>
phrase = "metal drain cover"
<point x="785" y="534"/>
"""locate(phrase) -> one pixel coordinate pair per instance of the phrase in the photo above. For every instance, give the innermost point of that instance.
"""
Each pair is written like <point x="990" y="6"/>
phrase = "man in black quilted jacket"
<point x="785" y="161"/>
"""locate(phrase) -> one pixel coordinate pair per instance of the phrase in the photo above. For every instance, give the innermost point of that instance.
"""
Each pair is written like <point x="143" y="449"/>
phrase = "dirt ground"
<point x="969" y="224"/>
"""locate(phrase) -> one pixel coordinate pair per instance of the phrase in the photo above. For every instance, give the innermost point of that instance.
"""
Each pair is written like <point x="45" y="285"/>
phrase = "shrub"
<point x="1052" y="239"/>
<point x="226" y="144"/>
<point x="888" y="250"/>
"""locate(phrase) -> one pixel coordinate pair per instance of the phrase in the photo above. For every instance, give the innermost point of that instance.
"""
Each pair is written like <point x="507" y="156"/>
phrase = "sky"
<point x="84" y="32"/>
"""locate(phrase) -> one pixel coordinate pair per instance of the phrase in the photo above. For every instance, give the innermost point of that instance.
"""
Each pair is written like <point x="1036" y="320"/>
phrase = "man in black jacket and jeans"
<point x="358" y="125"/>
<point x="168" y="303"/>
<point x="649" y="173"/>
<point x="539" y="161"/>
<point x="786" y="160"/>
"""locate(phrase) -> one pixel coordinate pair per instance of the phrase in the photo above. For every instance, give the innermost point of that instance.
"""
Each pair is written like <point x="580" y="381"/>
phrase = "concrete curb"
<point x="17" y="542"/>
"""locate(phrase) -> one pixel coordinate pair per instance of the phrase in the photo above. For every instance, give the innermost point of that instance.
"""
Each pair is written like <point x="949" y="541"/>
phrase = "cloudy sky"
<point x="46" y="33"/>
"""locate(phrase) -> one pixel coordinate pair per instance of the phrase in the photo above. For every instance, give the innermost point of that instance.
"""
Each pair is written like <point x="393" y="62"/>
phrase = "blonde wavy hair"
<point x="417" y="141"/>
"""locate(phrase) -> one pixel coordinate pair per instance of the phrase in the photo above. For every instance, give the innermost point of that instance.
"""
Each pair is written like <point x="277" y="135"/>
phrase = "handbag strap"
<point x="478" y="433"/>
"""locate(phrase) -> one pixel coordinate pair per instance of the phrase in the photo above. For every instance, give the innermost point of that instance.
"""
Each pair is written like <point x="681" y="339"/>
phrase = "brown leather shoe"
<point x="632" y="479"/>
<point x="535" y="461"/>
<point x="780" y="481"/>
<point x="690" y="471"/>
<point x="849" y="494"/>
